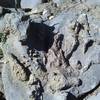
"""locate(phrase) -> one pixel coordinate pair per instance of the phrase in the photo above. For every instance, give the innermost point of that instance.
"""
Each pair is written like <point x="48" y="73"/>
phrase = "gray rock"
<point x="56" y="96"/>
<point x="93" y="2"/>
<point x="61" y="2"/>
<point x="94" y="97"/>
<point x="53" y="60"/>
<point x="12" y="88"/>
<point x="90" y="79"/>
<point x="30" y="3"/>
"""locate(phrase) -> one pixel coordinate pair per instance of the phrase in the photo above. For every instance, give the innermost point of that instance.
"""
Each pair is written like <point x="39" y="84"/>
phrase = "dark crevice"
<point x="79" y="62"/>
<point x="25" y="18"/>
<point x="78" y="27"/>
<point x="80" y="82"/>
<point x="10" y="3"/>
<point x="39" y="37"/>
<point x="72" y="51"/>
<point x="4" y="11"/>
<point x="45" y="1"/>
<point x="59" y="41"/>
<point x="65" y="87"/>
<point x="38" y="93"/>
<point x="22" y="65"/>
<point x="88" y="44"/>
<point x="27" y="9"/>
<point x="14" y="57"/>
<point x="7" y="3"/>
<point x="42" y="66"/>
<point x="2" y="97"/>
<point x="64" y="58"/>
<point x="70" y="96"/>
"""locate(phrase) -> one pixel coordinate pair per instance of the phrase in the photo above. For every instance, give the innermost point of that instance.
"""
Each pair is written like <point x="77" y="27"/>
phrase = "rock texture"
<point x="51" y="50"/>
<point x="30" y="3"/>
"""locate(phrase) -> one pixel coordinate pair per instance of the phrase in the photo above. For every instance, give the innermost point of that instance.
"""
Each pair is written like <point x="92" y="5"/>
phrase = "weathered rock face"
<point x="94" y="97"/>
<point x="30" y="3"/>
<point x="50" y="56"/>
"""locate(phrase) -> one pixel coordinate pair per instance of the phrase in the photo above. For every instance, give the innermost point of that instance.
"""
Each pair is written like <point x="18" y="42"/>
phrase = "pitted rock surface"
<point x="51" y="49"/>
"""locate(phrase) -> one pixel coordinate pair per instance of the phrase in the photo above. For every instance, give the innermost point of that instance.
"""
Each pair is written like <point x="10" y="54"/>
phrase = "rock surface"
<point x="30" y="3"/>
<point x="94" y="97"/>
<point x="51" y="50"/>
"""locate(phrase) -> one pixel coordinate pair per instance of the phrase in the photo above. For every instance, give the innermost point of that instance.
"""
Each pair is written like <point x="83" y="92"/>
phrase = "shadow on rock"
<point x="39" y="36"/>
<point x="2" y="96"/>
<point x="10" y="3"/>
<point x="71" y="97"/>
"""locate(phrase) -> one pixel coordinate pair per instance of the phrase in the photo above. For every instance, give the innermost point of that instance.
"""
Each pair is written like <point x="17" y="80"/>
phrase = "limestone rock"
<point x="30" y="3"/>
<point x="94" y="97"/>
<point x="45" y="58"/>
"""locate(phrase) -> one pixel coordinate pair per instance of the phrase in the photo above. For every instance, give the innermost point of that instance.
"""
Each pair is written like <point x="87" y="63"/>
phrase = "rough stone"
<point x="55" y="58"/>
<point x="30" y="3"/>
<point x="94" y="97"/>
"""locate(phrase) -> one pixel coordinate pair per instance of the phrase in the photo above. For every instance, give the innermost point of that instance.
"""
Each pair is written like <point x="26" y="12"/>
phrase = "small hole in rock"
<point x="45" y="1"/>
<point x="39" y="36"/>
<point x="55" y="74"/>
